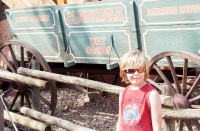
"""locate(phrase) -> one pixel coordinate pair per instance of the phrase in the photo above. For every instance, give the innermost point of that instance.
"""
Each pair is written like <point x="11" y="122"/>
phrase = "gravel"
<point x="99" y="112"/>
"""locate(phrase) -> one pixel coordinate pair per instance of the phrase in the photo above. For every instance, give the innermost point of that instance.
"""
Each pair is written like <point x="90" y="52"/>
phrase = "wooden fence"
<point x="169" y="114"/>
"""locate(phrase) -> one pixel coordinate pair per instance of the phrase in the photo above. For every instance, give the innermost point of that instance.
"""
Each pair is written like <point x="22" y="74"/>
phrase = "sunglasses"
<point x="132" y="71"/>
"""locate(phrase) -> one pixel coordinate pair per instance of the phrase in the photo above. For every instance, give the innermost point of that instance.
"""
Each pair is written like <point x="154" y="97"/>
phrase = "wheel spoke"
<point x="7" y="62"/>
<point x="173" y="72"/>
<point x="189" y="125"/>
<point x="29" y="65"/>
<point x="194" y="99"/>
<point x="179" y="126"/>
<point x="8" y="92"/>
<point x="13" y="57"/>
<point x="156" y="78"/>
<point x="22" y="56"/>
<point x="183" y="98"/>
<point x="162" y="76"/>
<point x="195" y="106"/>
<point x="44" y="101"/>
<point x="27" y="100"/>
<point x="184" y="81"/>
<point x="196" y="83"/>
<point x="14" y="100"/>
<point x="27" y="52"/>
<point x="154" y="84"/>
<point x="6" y="103"/>
<point x="22" y="99"/>
<point x="196" y="123"/>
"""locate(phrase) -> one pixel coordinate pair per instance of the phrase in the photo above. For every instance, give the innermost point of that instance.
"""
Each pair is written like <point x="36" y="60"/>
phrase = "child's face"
<point x="136" y="78"/>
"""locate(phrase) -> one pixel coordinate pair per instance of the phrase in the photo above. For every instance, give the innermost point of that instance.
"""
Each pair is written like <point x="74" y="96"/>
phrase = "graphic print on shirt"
<point x="131" y="113"/>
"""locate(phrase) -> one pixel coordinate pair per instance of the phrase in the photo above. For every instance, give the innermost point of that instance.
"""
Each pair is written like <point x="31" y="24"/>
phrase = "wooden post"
<point x="71" y="80"/>
<point x="28" y="122"/>
<point x="24" y="79"/>
<point x="168" y="124"/>
<point x="1" y="114"/>
<point x="165" y="100"/>
<point x="27" y="3"/>
<point x="35" y="92"/>
<point x="53" y="120"/>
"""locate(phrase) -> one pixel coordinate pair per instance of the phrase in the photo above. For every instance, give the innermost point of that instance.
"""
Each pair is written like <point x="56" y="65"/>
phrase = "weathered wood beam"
<point x="168" y="124"/>
<point x="24" y="79"/>
<point x="27" y="3"/>
<point x="35" y="92"/>
<point x="25" y="121"/>
<point x="181" y="114"/>
<point x="15" y="4"/>
<point x="54" y="121"/>
<point x="44" y="2"/>
<point x="71" y="80"/>
<point x="166" y="100"/>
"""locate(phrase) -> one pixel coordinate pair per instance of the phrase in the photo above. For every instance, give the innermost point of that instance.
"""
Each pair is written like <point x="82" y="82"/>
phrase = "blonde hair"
<point x="133" y="60"/>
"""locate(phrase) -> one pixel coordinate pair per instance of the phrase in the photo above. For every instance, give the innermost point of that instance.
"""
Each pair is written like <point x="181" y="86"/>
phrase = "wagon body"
<point x="90" y="38"/>
<point x="101" y="32"/>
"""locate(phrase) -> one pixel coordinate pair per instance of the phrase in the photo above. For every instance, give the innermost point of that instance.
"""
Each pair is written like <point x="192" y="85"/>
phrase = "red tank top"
<point x="135" y="109"/>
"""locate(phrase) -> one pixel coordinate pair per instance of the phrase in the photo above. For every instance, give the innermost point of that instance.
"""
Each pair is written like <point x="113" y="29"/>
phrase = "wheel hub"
<point x="19" y="87"/>
<point x="181" y="101"/>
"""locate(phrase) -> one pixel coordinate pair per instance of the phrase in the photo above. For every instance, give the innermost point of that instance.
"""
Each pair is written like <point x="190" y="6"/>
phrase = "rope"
<point x="1" y="95"/>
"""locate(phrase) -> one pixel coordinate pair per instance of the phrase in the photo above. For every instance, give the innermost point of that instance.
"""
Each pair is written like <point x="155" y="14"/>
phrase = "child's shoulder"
<point x="149" y="87"/>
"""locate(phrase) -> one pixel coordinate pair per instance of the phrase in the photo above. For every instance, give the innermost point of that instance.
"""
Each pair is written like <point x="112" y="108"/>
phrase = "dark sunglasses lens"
<point x="130" y="70"/>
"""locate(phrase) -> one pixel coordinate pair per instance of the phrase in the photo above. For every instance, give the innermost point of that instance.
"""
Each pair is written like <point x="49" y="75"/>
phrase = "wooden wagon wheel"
<point x="15" y="54"/>
<point x="187" y="94"/>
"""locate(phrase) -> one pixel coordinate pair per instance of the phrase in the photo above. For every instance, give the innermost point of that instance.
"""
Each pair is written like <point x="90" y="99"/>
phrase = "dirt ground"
<point x="99" y="113"/>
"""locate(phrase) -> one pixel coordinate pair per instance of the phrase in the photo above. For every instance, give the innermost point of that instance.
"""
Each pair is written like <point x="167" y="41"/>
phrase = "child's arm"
<point x="156" y="110"/>
<point x="119" y="116"/>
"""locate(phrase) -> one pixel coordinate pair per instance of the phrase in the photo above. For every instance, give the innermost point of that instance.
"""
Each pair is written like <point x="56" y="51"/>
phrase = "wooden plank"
<point x="28" y="122"/>
<point x="54" y="121"/>
<point x="35" y="92"/>
<point x="168" y="124"/>
<point x="77" y="1"/>
<point x="15" y="3"/>
<point x="30" y="3"/>
<point x="24" y="79"/>
<point x="44" y="2"/>
<point x="27" y="3"/>
<point x="181" y="114"/>
<point x="165" y="100"/>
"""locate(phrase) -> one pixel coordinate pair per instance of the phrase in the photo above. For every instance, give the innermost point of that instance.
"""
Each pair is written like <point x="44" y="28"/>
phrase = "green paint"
<point x="101" y="32"/>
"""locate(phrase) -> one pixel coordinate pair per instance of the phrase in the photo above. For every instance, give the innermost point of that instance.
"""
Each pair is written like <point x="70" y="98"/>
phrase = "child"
<point x="139" y="102"/>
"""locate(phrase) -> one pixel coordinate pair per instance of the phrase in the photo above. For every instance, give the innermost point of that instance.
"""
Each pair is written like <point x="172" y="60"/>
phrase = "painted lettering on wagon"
<point x="97" y="46"/>
<point x="174" y="10"/>
<point x="33" y="19"/>
<point x="112" y="14"/>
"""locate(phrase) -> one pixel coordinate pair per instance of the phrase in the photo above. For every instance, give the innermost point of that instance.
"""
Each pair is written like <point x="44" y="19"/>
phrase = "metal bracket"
<point x="68" y="63"/>
<point x="112" y="65"/>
